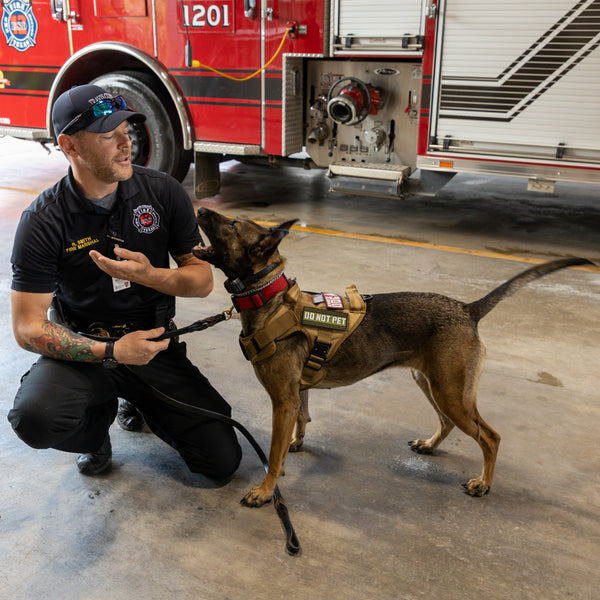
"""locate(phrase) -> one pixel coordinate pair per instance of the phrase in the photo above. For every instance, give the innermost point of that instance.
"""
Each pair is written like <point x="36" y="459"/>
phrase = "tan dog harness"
<point x="325" y="329"/>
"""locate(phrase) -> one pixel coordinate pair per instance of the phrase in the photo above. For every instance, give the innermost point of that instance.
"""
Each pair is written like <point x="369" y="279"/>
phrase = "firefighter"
<point x="93" y="250"/>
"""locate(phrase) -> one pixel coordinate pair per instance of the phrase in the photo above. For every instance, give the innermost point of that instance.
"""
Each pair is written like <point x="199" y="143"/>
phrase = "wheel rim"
<point x="140" y="144"/>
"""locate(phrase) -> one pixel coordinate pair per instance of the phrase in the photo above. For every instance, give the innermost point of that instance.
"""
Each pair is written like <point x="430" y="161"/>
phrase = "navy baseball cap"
<point x="90" y="108"/>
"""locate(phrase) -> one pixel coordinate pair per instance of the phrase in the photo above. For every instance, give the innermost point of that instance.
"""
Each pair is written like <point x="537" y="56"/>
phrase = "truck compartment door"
<point x="518" y="79"/>
<point x="223" y="37"/>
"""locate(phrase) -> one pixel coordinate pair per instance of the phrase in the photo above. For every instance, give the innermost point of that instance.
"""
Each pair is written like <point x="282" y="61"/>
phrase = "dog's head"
<point x="239" y="247"/>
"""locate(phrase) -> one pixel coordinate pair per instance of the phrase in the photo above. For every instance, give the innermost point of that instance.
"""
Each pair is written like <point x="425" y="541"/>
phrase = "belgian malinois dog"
<point x="436" y="336"/>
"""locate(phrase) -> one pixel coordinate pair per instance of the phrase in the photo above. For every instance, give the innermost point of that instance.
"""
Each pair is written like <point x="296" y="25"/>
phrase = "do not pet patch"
<point x="328" y="319"/>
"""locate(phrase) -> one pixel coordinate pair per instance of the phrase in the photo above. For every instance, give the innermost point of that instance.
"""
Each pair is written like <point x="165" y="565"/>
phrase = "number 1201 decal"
<point x="207" y="16"/>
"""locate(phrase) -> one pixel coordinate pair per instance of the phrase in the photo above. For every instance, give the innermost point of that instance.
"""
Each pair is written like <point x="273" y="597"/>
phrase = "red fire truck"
<point x="382" y="95"/>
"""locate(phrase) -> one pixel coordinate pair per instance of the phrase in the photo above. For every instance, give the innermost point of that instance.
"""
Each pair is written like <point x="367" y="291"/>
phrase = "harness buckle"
<point x="320" y="350"/>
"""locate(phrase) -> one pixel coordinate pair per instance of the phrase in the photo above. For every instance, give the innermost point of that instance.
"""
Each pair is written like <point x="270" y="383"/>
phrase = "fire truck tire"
<point x="156" y="142"/>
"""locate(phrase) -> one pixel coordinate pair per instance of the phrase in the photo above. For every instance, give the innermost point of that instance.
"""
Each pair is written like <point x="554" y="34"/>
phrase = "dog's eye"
<point x="233" y="223"/>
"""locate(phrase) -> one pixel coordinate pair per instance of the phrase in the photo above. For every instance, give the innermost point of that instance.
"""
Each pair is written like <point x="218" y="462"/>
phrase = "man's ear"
<point x="67" y="144"/>
<point x="274" y="235"/>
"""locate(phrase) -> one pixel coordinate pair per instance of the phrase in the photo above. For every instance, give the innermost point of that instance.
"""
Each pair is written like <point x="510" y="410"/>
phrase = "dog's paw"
<point x="296" y="444"/>
<point x="420" y="447"/>
<point x="476" y="488"/>
<point x="254" y="498"/>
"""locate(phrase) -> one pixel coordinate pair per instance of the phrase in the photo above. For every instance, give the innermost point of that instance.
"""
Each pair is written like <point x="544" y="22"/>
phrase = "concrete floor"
<point x="375" y="520"/>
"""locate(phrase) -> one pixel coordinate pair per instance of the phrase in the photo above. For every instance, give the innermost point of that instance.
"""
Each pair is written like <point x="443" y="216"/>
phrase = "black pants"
<point x="70" y="406"/>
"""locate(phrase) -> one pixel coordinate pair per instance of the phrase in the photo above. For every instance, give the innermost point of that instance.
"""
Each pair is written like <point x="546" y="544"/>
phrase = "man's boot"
<point x="128" y="416"/>
<point x="97" y="462"/>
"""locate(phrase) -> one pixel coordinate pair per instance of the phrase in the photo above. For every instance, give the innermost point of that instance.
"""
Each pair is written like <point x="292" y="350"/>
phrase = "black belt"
<point x="103" y="331"/>
<point x="117" y="330"/>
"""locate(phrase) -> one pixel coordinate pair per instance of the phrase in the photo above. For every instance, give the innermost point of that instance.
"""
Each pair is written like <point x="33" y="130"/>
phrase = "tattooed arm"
<point x="34" y="332"/>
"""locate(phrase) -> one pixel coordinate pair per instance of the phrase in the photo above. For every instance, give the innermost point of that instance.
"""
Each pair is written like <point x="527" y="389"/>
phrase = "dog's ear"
<point x="285" y="227"/>
<point x="271" y="240"/>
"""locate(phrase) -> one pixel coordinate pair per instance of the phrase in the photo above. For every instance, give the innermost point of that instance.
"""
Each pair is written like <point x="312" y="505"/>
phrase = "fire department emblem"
<point x="145" y="219"/>
<point x="19" y="24"/>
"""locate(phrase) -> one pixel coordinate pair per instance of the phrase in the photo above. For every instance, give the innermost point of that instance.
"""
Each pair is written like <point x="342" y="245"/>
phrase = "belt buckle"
<point x="106" y="330"/>
<point x="99" y="329"/>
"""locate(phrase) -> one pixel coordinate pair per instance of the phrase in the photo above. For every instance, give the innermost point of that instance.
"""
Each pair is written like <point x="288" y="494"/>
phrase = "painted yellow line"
<point x="31" y="192"/>
<point x="425" y="245"/>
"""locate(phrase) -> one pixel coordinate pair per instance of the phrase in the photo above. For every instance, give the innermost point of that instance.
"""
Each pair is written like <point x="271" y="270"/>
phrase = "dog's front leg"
<point x="285" y="412"/>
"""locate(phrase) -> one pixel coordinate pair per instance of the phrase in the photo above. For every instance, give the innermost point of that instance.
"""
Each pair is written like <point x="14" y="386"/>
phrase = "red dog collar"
<point x="258" y="298"/>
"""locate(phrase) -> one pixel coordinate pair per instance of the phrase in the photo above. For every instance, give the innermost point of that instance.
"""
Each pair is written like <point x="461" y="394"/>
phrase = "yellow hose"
<point x="196" y="64"/>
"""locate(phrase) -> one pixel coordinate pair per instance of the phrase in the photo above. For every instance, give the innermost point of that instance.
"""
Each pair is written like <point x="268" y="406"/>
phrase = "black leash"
<point x="200" y="325"/>
<point x="292" y="544"/>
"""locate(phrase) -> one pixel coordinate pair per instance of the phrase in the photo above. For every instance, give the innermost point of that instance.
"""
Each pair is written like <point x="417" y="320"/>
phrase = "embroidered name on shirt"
<point x="81" y="244"/>
<point x="145" y="219"/>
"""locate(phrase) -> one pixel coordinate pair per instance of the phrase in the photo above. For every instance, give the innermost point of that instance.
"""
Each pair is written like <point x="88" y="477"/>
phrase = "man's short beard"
<point x="105" y="172"/>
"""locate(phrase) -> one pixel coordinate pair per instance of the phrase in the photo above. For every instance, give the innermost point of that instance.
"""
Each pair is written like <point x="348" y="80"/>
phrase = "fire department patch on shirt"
<point x="329" y="319"/>
<point x="19" y="24"/>
<point x="145" y="218"/>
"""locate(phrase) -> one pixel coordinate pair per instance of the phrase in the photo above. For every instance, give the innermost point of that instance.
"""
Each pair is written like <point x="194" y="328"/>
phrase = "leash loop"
<point x="292" y="544"/>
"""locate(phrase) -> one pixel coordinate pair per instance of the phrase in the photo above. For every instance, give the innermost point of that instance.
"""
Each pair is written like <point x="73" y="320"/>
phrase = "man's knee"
<point x="219" y="465"/>
<point x="64" y="406"/>
<point x="34" y="424"/>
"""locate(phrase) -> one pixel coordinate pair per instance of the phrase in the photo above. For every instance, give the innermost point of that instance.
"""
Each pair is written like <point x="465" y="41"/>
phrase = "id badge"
<point x="120" y="284"/>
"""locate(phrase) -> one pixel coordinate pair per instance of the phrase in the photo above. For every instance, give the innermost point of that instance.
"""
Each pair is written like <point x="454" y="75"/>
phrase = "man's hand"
<point x="192" y="278"/>
<point x="137" y="347"/>
<point x="133" y="266"/>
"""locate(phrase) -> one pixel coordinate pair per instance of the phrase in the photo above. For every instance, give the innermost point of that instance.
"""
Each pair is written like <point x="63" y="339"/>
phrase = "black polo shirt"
<point x="152" y="214"/>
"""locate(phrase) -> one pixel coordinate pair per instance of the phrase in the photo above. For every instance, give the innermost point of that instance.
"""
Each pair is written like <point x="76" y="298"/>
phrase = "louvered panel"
<point x="379" y="18"/>
<point x="521" y="73"/>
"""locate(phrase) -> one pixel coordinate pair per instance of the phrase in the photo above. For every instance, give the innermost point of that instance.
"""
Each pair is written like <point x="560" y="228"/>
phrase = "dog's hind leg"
<point x="301" y="421"/>
<point x="445" y="425"/>
<point x="488" y="440"/>
<point x="453" y="380"/>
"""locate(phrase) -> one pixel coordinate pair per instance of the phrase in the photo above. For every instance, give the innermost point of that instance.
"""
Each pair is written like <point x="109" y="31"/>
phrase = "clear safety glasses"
<point x="102" y="108"/>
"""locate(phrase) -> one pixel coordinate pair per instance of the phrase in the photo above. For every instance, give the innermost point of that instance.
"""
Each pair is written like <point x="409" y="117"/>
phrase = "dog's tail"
<point x="482" y="307"/>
